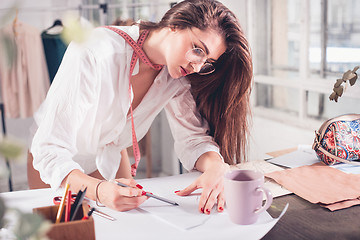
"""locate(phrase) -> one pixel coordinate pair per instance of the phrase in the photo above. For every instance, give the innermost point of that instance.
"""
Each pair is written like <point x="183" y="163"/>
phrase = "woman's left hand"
<point x="211" y="182"/>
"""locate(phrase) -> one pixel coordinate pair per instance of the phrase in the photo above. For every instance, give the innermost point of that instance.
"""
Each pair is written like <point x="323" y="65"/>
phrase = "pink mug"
<point x="244" y="191"/>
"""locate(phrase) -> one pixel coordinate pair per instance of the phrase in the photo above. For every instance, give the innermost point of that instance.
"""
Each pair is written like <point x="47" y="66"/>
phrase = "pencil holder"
<point x="76" y="229"/>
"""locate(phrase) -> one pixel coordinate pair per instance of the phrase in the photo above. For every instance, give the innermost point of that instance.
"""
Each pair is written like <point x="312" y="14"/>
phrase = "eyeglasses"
<point x="197" y="55"/>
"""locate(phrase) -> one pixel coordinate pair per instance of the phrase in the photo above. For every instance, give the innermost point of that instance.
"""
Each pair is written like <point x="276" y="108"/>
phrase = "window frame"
<point x="304" y="83"/>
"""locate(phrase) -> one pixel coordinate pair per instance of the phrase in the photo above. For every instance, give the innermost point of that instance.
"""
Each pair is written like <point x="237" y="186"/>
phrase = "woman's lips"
<point x="183" y="71"/>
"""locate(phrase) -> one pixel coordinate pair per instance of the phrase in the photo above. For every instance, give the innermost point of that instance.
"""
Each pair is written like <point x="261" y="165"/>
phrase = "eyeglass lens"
<point x="197" y="55"/>
<point x="206" y="69"/>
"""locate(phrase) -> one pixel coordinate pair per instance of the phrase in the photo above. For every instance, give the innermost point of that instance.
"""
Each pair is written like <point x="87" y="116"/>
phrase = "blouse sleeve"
<point x="70" y="101"/>
<point x="189" y="129"/>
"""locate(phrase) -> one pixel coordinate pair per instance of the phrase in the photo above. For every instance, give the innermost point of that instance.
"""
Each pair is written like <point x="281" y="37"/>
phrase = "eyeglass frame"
<point x="205" y="63"/>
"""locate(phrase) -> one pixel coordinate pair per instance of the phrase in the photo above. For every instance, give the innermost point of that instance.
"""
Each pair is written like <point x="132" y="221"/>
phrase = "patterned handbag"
<point x="338" y="140"/>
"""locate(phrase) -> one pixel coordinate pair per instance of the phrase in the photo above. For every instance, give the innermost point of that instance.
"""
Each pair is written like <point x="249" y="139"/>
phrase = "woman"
<point x="204" y="86"/>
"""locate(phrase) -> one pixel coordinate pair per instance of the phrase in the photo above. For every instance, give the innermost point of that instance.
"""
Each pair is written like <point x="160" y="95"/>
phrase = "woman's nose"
<point x="197" y="66"/>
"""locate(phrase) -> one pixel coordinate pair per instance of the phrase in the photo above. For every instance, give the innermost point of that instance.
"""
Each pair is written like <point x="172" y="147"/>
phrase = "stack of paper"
<point x="186" y="217"/>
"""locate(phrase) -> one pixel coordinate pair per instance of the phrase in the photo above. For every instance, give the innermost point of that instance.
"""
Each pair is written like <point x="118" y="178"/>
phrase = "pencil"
<point x="88" y="214"/>
<point x="161" y="198"/>
<point x="75" y="203"/>
<point x="61" y="206"/>
<point x="79" y="204"/>
<point x="151" y="195"/>
<point x="68" y="207"/>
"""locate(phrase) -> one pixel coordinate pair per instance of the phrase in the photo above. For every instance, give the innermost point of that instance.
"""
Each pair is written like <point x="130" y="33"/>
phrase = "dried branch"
<point x="338" y="89"/>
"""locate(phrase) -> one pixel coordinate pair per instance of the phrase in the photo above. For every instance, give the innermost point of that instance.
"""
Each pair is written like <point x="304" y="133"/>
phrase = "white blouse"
<point x="83" y="122"/>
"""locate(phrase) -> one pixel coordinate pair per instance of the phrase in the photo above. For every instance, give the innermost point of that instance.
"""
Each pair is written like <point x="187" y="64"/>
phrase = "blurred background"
<point x="299" y="50"/>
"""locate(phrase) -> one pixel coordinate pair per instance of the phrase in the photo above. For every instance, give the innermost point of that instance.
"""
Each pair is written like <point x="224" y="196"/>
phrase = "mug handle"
<point x="268" y="200"/>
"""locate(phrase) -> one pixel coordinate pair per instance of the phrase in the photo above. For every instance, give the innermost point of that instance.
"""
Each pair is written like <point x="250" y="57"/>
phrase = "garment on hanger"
<point x="54" y="47"/>
<point x="56" y="28"/>
<point x="25" y="81"/>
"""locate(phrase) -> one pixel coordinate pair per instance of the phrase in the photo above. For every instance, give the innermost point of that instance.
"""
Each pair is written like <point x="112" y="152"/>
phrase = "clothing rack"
<point x="3" y="124"/>
<point x="104" y="6"/>
<point x="4" y="135"/>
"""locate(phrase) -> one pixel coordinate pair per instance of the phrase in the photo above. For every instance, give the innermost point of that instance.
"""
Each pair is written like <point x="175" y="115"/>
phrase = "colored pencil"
<point x="61" y="206"/>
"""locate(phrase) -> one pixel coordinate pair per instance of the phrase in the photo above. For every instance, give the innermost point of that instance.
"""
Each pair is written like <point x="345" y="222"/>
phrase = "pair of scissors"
<point x="57" y="199"/>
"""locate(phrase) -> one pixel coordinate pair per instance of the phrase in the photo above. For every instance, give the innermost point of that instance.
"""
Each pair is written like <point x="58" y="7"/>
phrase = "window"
<point x="299" y="50"/>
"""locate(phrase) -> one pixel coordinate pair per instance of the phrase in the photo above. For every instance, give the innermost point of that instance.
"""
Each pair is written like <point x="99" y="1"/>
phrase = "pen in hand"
<point x="149" y="194"/>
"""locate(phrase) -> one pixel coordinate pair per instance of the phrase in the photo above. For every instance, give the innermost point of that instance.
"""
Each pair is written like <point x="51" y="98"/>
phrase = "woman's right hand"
<point x="121" y="198"/>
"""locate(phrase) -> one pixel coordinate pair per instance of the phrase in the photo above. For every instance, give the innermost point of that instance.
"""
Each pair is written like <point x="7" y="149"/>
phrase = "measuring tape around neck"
<point x="138" y="53"/>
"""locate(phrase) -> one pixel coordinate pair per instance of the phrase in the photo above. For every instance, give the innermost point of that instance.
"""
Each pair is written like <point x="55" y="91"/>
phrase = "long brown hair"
<point x="222" y="97"/>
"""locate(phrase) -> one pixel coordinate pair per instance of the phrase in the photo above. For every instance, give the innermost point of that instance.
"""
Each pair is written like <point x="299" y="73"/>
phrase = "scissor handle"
<point x="57" y="199"/>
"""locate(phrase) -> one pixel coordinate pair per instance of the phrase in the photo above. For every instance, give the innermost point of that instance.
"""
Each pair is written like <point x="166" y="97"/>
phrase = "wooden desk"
<point x="304" y="220"/>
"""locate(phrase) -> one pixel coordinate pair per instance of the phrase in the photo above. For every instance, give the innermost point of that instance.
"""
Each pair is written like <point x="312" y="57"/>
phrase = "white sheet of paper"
<point x="187" y="217"/>
<point x="145" y="224"/>
<point x="297" y="158"/>
<point x="347" y="168"/>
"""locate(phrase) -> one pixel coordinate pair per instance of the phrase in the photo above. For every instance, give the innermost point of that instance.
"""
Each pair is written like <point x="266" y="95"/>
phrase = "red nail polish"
<point x="221" y="209"/>
<point x="207" y="210"/>
<point x="177" y="191"/>
<point x="143" y="193"/>
<point x="139" y="186"/>
<point x="202" y="209"/>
